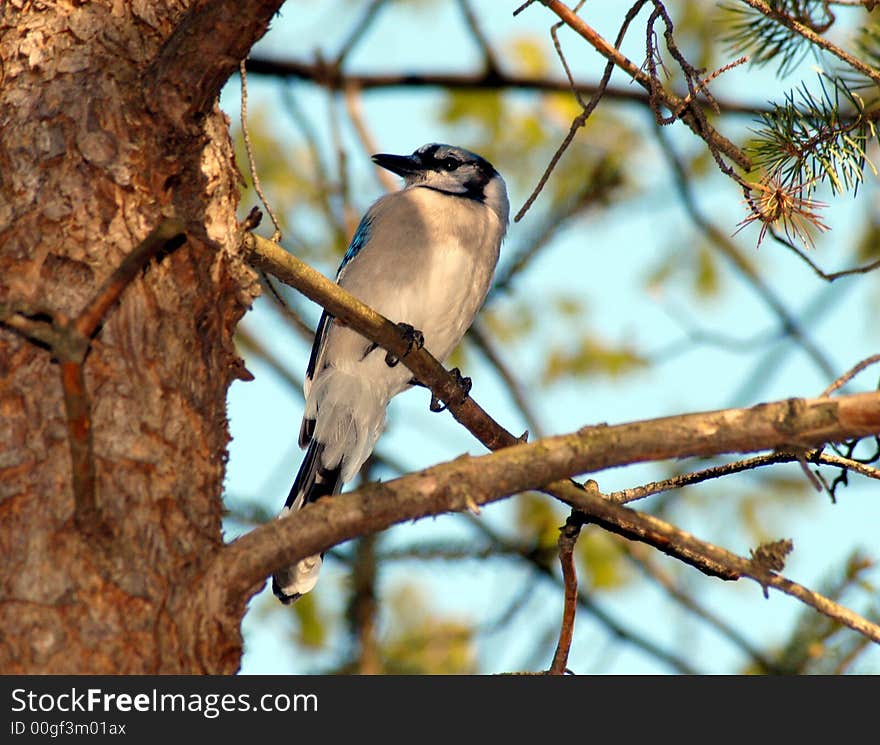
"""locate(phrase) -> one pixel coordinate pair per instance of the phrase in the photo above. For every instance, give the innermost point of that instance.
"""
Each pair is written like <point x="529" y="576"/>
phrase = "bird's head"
<point x="452" y="170"/>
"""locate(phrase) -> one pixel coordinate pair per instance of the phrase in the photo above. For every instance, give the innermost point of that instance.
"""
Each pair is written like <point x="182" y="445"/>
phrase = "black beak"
<point x="402" y="165"/>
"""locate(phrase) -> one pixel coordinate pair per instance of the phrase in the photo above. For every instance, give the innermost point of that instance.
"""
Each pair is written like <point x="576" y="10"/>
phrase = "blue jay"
<point x="424" y="258"/>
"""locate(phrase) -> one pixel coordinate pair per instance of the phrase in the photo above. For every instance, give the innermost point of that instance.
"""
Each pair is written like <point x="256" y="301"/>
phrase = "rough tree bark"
<point x="108" y="125"/>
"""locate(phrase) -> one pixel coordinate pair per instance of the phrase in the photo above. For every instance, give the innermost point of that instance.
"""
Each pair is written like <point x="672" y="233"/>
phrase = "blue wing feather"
<point x="359" y="239"/>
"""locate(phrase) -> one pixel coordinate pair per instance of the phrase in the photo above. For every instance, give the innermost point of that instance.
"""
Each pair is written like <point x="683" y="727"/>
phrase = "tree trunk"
<point x="108" y="126"/>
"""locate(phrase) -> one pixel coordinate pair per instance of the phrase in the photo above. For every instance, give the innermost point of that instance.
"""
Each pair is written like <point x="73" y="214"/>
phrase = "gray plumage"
<point x="424" y="256"/>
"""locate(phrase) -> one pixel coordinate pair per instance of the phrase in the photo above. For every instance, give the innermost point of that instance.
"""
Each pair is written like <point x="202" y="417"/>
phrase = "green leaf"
<point x="602" y="561"/>
<point x="592" y="356"/>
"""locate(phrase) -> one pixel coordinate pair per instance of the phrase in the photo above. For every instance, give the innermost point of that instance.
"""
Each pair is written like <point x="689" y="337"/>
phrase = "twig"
<point x="253" y="345"/>
<point x="593" y="189"/>
<point x="672" y="102"/>
<point x="363" y="608"/>
<point x="624" y="496"/>
<point x="587" y="603"/>
<point x="323" y="187"/>
<point x="276" y="236"/>
<point x="516" y="390"/>
<point x="811" y="36"/>
<point x="358" y="31"/>
<point x="166" y="237"/>
<point x="827" y="276"/>
<point x="349" y="216"/>
<point x="586" y="108"/>
<point x="568" y="536"/>
<point x="70" y="343"/>
<point x="729" y="250"/>
<point x="640" y="557"/>
<point x="342" y="305"/>
<point x="850" y="374"/>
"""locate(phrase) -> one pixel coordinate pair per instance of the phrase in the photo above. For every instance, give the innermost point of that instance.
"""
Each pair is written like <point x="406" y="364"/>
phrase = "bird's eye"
<point x="449" y="164"/>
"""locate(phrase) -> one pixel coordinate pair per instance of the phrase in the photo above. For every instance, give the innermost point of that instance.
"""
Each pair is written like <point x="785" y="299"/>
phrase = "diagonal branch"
<point x="814" y="38"/>
<point x="669" y="100"/>
<point x="315" y="286"/>
<point x="546" y="464"/>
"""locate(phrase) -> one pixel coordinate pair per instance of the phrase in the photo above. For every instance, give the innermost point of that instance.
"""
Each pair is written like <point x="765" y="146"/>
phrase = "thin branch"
<point x="586" y="108"/>
<point x="640" y="557"/>
<point x="811" y="36"/>
<point x="592" y="190"/>
<point x="276" y="236"/>
<point x="514" y="387"/>
<point x="850" y="374"/>
<point x="713" y="138"/>
<point x="323" y="187"/>
<point x="730" y="251"/>
<point x="70" y="342"/>
<point x="624" y="496"/>
<point x="327" y="76"/>
<point x="568" y="536"/>
<point x="586" y="602"/>
<point x="166" y="237"/>
<point x="353" y="107"/>
<point x="490" y="61"/>
<point x="827" y="276"/>
<point x="359" y="30"/>
<point x="351" y="311"/>
<point x="253" y="345"/>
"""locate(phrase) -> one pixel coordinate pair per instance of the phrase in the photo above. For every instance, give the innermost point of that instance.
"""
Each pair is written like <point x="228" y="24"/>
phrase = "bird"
<point x="423" y="257"/>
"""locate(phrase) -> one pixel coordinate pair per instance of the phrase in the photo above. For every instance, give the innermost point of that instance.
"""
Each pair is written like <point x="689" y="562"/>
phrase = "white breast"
<point x="439" y="252"/>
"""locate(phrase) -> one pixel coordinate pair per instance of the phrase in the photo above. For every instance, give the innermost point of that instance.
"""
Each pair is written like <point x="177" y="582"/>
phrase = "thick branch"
<point x="203" y="51"/>
<point x="467" y="480"/>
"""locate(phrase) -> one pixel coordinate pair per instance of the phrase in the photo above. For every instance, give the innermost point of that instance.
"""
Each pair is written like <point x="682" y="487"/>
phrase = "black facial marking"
<point x="437" y="157"/>
<point x="477" y="183"/>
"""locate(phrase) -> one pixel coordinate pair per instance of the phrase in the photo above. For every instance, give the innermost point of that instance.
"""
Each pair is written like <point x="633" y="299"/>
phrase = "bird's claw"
<point x="461" y="381"/>
<point x="412" y="336"/>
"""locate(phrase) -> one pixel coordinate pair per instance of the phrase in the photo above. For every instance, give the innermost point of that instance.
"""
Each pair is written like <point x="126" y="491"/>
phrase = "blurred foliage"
<point x="421" y="640"/>
<point x="602" y="565"/>
<point x="539" y="519"/>
<point x="697" y="270"/>
<point x="591" y="356"/>
<point x="313" y="625"/>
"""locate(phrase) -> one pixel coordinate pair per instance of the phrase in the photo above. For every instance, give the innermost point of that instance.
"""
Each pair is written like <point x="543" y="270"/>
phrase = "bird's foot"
<point x="464" y="385"/>
<point x="412" y="336"/>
